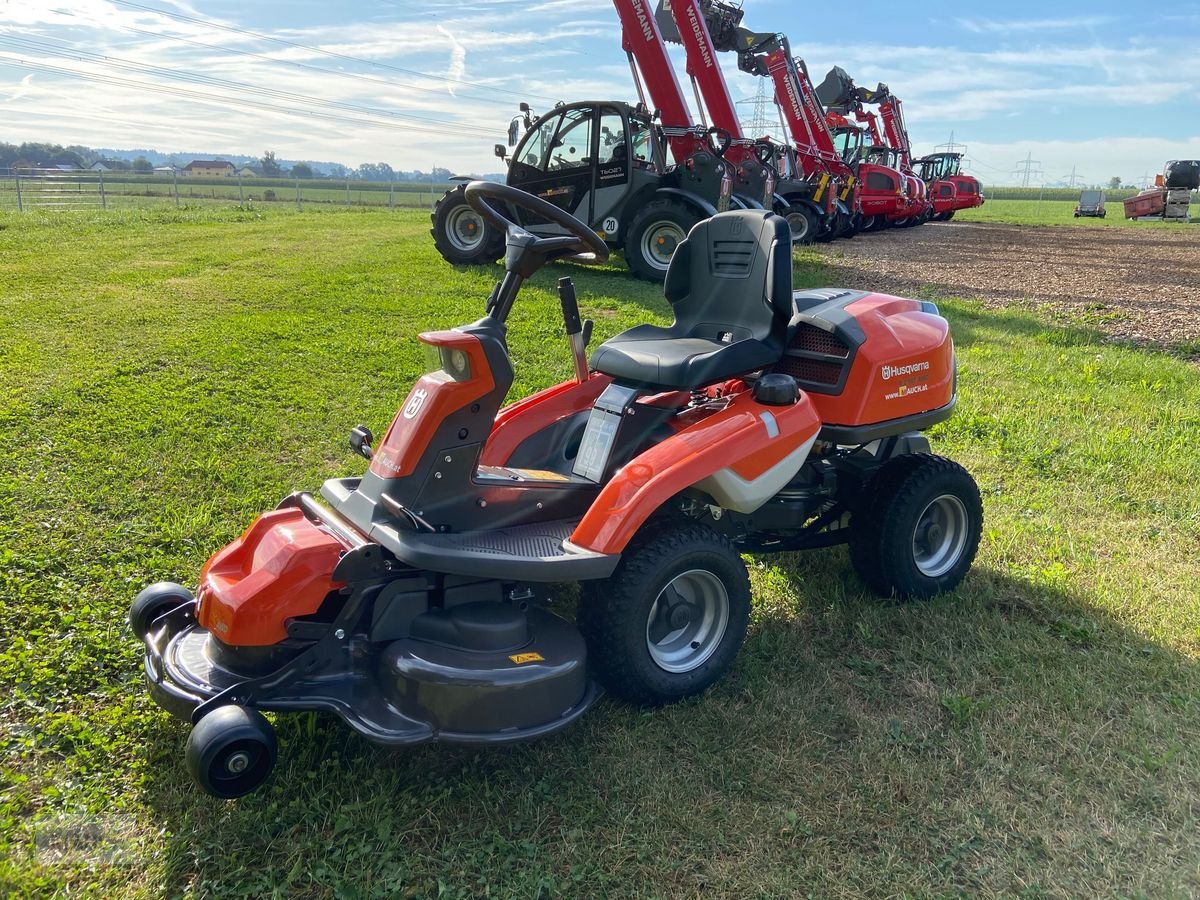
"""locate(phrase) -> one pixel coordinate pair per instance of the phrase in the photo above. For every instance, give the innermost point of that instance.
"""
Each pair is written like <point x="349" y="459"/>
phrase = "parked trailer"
<point x="1169" y="204"/>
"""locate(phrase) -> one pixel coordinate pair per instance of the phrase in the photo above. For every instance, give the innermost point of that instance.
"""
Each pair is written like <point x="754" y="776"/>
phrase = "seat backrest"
<point x="731" y="279"/>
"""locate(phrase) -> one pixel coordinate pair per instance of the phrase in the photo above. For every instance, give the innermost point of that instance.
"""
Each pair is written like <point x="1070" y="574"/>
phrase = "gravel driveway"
<point x="1134" y="284"/>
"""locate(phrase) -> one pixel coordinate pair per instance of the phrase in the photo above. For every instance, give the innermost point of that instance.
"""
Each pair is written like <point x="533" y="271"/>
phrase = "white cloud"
<point x="458" y="61"/>
<point x="1027" y="26"/>
<point x="554" y="50"/>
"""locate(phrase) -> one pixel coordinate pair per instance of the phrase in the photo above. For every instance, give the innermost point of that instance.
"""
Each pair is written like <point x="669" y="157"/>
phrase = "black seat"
<point x="730" y="285"/>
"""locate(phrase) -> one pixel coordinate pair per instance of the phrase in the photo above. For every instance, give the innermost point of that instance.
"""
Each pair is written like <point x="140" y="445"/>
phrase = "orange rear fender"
<point x="740" y="453"/>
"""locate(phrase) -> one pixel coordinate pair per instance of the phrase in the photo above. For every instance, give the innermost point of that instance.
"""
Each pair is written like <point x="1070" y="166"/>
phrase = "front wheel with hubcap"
<point x="916" y="527"/>
<point x="802" y="221"/>
<point x="670" y="620"/>
<point x="460" y="233"/>
<point x="654" y="233"/>
<point x="231" y="751"/>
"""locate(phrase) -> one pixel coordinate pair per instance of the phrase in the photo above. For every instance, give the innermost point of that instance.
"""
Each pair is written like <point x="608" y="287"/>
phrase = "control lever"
<point x="361" y="440"/>
<point x="577" y="331"/>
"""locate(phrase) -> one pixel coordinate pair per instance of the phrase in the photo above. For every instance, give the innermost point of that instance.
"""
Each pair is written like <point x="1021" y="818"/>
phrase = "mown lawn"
<point x="167" y="375"/>
<point x="1060" y="212"/>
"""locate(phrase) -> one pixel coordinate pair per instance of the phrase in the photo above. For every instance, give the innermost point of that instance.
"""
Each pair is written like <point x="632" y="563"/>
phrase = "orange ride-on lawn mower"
<point x="410" y="601"/>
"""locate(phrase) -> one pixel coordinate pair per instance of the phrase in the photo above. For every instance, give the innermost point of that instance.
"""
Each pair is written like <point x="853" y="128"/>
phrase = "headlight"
<point x="455" y="363"/>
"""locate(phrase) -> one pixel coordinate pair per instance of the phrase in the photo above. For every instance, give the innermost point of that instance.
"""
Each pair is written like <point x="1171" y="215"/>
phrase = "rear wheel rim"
<point x="940" y="536"/>
<point x="659" y="241"/>
<point x="687" y="621"/>
<point x="464" y="228"/>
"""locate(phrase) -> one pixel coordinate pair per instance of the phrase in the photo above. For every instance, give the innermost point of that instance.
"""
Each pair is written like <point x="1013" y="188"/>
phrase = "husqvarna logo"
<point x="911" y="369"/>
<point x="418" y="400"/>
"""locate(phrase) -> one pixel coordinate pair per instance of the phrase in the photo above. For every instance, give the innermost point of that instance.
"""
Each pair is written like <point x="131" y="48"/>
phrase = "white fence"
<point x="31" y="189"/>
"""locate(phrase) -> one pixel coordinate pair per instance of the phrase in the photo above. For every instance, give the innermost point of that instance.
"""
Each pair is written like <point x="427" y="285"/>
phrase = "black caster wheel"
<point x="231" y="751"/>
<point x="151" y="602"/>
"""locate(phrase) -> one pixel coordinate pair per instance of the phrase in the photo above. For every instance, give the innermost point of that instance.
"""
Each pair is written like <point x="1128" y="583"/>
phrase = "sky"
<point x="1098" y="89"/>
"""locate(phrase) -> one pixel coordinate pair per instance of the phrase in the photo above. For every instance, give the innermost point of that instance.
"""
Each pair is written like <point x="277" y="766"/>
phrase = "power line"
<point x="192" y="20"/>
<point x="210" y="81"/>
<point x="1028" y="168"/>
<point x="372" y="80"/>
<point x="217" y="100"/>
<point x="950" y="146"/>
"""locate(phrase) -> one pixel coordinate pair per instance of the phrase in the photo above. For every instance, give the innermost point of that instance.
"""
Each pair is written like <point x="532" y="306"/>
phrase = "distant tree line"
<point x="40" y="156"/>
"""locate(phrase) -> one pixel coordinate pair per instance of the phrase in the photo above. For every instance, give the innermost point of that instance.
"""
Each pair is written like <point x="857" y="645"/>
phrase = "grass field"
<point x="168" y="375"/>
<point x="1058" y="212"/>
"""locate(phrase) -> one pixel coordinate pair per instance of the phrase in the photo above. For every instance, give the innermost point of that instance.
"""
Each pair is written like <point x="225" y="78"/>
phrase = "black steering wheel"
<point x="580" y="240"/>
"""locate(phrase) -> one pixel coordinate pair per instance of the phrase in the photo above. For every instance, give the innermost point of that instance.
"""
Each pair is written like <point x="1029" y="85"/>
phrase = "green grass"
<point x="168" y="374"/>
<point x="1057" y="212"/>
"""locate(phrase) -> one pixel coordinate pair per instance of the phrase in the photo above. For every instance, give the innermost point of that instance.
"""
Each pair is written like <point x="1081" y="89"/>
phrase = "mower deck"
<point x="437" y="693"/>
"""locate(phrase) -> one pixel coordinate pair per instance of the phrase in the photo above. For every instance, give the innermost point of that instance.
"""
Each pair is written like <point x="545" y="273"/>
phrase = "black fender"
<point x="843" y="208"/>
<point x="698" y="203"/>
<point x="746" y="202"/>
<point x="817" y="209"/>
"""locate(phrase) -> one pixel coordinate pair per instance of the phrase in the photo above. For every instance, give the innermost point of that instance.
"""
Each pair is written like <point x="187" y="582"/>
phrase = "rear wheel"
<point x="655" y="231"/>
<point x="803" y="223"/>
<point x="847" y="225"/>
<point x="670" y="620"/>
<point x="916" y="527"/>
<point x="460" y="234"/>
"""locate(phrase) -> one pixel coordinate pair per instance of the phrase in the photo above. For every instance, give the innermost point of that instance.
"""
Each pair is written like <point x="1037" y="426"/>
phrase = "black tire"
<point x="803" y="223"/>
<point x="231" y="751"/>
<point x="949" y="215"/>
<point x="653" y="234"/>
<point x="912" y="504"/>
<point x="871" y="224"/>
<point x="847" y="226"/>
<point x="700" y="580"/>
<point x="460" y="234"/>
<point x="151" y="602"/>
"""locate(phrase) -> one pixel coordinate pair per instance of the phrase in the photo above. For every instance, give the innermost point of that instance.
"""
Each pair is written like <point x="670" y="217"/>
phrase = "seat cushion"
<point x="654" y="356"/>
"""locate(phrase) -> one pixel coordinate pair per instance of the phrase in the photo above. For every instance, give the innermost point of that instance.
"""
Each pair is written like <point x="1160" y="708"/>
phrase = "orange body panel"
<point x="734" y="437"/>
<point x="433" y="398"/>
<point x="905" y="367"/>
<point x="281" y="567"/>
<point x="519" y="421"/>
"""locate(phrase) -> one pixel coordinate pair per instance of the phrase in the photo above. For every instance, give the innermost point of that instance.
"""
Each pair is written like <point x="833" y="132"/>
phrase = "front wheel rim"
<point x="940" y="536"/>
<point x="659" y="241"/>
<point x="464" y="228"/>
<point x="798" y="223"/>
<point x="687" y="621"/>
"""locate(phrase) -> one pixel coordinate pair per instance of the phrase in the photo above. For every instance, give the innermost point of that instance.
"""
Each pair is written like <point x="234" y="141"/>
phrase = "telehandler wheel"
<point x="803" y="223"/>
<point x="916" y="527"/>
<point x="154" y="600"/>
<point x="460" y="233"/>
<point x="655" y="231"/>
<point x="670" y="620"/>
<point x="231" y="751"/>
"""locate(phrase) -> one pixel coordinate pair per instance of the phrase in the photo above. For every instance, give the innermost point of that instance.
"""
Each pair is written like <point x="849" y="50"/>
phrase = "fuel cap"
<point x="776" y="389"/>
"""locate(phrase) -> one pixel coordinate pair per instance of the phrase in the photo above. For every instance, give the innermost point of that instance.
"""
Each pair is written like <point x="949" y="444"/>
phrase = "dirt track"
<point x="1139" y="285"/>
